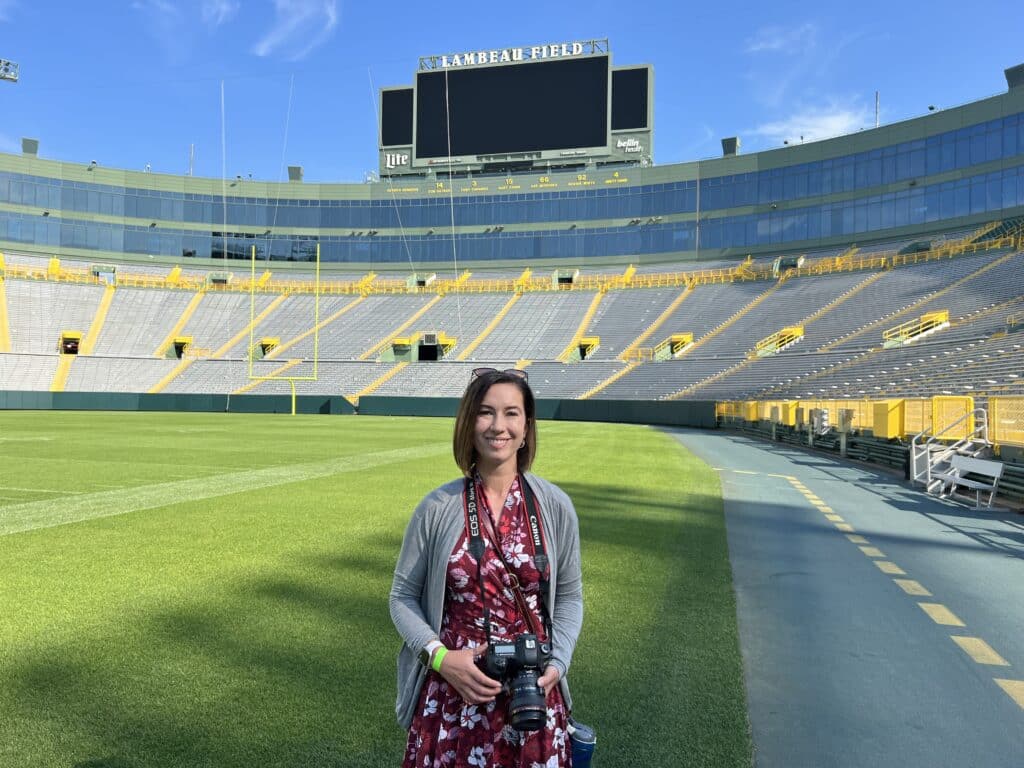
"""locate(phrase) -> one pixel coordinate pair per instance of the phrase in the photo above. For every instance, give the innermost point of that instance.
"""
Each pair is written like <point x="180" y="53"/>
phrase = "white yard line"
<point x="40" y="490"/>
<point x="48" y="513"/>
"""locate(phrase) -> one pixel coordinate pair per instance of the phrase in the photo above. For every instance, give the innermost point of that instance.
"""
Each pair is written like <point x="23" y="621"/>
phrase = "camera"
<point x="519" y="664"/>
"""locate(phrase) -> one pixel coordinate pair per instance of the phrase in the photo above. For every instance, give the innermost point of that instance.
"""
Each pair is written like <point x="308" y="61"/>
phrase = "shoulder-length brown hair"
<point x="469" y="407"/>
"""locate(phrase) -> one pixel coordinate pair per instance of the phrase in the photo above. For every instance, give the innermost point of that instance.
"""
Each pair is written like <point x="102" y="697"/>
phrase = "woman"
<point x="456" y="714"/>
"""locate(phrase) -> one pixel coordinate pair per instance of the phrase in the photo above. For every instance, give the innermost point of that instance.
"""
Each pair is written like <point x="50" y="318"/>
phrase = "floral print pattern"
<point x="447" y="732"/>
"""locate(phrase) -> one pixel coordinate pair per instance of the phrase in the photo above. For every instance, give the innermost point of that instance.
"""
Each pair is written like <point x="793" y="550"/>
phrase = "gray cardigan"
<point x="418" y="590"/>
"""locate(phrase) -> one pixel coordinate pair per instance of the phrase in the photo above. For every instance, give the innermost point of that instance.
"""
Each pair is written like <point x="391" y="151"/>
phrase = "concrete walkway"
<point x="879" y="627"/>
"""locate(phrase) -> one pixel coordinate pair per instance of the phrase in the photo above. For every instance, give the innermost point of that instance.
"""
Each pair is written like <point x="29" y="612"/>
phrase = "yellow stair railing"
<point x="387" y="339"/>
<point x="906" y="332"/>
<point x="674" y="345"/>
<point x="778" y="341"/>
<point x="638" y="353"/>
<point x="873" y="326"/>
<point x="732" y="320"/>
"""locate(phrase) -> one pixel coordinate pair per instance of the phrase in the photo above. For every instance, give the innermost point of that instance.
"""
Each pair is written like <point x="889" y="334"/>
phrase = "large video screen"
<point x="396" y="117"/>
<point x="525" y="107"/>
<point x="629" y="99"/>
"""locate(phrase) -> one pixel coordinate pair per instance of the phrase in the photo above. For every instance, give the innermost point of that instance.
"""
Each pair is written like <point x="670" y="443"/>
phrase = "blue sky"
<point x="135" y="82"/>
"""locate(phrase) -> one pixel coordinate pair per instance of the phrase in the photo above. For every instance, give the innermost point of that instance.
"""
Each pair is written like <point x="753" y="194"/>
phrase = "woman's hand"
<point x="549" y="679"/>
<point x="460" y="670"/>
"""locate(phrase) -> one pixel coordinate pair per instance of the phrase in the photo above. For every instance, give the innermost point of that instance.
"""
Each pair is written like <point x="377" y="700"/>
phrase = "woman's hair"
<point x="469" y="408"/>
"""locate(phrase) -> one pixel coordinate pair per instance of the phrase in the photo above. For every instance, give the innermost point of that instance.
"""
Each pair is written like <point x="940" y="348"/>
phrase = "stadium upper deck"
<point x="956" y="167"/>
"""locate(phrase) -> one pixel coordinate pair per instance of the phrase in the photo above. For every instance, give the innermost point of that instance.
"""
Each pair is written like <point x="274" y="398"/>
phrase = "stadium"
<point x="823" y="341"/>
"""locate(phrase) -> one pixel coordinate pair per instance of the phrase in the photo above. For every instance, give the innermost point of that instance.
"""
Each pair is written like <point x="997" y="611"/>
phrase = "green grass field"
<point x="211" y="590"/>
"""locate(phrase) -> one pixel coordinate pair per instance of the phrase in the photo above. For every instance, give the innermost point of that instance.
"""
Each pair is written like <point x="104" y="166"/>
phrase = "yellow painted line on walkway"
<point x="940" y="614"/>
<point x="891" y="568"/>
<point x="784" y="477"/>
<point x="912" y="587"/>
<point x="834" y="518"/>
<point x="980" y="651"/>
<point x="1014" y="689"/>
<point x="856" y="539"/>
<point x="744" y="472"/>
<point x="872" y="551"/>
<point x="845" y="527"/>
<point x="826" y="510"/>
<point x="814" y="499"/>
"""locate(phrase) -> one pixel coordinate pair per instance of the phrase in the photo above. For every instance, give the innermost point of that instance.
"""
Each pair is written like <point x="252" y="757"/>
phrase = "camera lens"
<point x="526" y="708"/>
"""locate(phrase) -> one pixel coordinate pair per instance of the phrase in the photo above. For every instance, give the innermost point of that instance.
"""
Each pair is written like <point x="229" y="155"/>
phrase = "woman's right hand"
<point x="460" y="670"/>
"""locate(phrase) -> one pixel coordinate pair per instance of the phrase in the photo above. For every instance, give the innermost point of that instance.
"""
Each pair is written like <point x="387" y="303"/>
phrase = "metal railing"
<point x="928" y="448"/>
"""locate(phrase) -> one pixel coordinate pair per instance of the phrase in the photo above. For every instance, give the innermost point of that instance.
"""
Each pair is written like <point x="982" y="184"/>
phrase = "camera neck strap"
<point x="477" y="547"/>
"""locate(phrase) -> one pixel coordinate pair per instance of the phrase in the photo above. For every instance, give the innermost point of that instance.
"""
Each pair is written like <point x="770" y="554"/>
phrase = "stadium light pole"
<point x="8" y="71"/>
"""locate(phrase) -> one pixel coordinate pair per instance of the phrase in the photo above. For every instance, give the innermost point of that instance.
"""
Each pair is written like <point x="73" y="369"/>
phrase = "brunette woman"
<point x="448" y="604"/>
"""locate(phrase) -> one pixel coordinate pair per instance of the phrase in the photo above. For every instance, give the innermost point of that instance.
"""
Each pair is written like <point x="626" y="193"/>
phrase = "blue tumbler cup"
<point x="584" y="740"/>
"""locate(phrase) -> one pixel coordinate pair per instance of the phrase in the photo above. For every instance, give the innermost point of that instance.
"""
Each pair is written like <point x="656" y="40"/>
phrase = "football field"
<point x="211" y="589"/>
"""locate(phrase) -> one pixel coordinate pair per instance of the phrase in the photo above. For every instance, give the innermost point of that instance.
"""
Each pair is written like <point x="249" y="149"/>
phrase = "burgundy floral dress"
<point x="447" y="732"/>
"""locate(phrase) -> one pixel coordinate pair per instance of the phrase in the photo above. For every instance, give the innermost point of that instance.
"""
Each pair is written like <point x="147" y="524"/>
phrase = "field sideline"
<point x="211" y="590"/>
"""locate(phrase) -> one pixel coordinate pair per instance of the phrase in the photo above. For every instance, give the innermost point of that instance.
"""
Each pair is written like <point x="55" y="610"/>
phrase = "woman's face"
<point x="500" y="427"/>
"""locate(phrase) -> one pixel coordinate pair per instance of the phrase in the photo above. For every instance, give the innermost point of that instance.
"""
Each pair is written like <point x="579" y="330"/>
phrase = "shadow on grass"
<point x="295" y="667"/>
<point x="658" y="666"/>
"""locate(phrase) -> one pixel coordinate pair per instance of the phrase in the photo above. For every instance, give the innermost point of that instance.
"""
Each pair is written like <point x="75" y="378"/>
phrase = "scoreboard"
<point x="544" y="107"/>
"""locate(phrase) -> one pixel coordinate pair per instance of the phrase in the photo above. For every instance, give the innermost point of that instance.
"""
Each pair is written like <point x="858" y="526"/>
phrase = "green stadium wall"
<point x="195" y="403"/>
<point x="678" y="413"/>
<point x="681" y="413"/>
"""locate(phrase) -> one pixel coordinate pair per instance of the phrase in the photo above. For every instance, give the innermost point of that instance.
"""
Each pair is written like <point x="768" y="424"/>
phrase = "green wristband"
<point x="439" y="654"/>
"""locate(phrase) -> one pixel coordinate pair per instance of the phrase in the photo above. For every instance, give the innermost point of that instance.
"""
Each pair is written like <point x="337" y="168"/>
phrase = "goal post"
<point x="255" y="344"/>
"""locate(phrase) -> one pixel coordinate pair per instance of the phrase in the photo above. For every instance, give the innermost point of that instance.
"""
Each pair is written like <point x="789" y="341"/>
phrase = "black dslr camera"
<point x="519" y="664"/>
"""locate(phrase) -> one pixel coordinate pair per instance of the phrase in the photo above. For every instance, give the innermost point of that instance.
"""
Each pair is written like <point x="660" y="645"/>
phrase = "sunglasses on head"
<point x="478" y="372"/>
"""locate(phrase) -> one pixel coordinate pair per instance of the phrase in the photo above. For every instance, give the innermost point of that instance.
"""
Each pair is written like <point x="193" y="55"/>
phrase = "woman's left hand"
<point x="549" y="679"/>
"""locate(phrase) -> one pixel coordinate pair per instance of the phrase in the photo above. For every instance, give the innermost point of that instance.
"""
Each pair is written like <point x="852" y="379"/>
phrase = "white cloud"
<point x="157" y="9"/>
<point x="779" y="39"/>
<point x="299" y="27"/>
<point x="814" y="123"/>
<point x="166" y="23"/>
<point x="216" y="12"/>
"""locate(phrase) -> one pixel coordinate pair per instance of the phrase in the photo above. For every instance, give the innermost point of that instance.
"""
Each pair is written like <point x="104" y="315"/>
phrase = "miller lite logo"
<point x="395" y="159"/>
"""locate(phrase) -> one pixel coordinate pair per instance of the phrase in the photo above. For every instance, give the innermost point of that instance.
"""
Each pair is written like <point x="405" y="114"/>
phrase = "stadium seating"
<point x="843" y="311"/>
